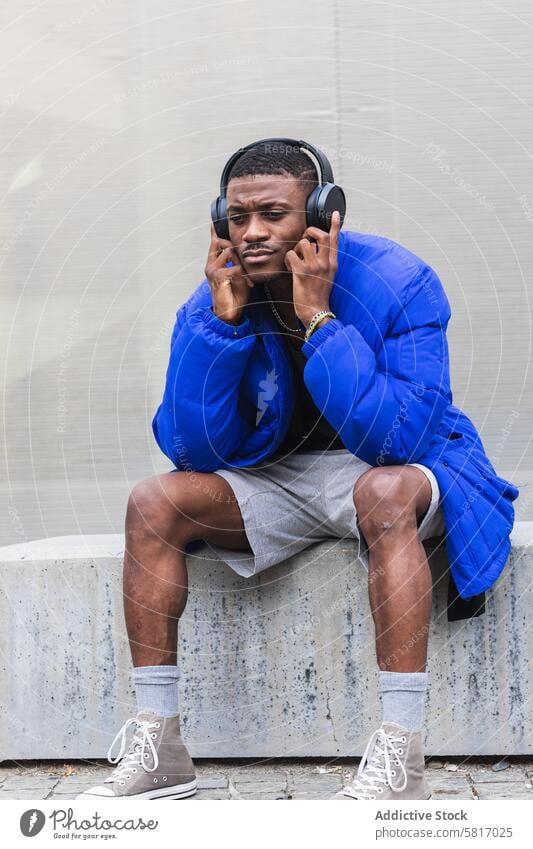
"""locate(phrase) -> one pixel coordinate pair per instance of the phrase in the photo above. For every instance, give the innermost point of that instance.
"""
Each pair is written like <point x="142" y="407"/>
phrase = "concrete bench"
<point x="282" y="664"/>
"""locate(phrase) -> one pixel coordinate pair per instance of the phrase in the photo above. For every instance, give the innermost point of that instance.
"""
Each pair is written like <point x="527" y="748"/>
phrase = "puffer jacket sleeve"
<point x="197" y="424"/>
<point x="386" y="405"/>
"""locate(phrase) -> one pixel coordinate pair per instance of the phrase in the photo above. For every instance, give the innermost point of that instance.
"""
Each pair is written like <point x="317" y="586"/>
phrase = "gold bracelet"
<point x="317" y="318"/>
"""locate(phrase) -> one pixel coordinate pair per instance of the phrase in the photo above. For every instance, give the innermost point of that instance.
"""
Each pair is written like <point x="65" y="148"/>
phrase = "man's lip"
<point x="258" y="253"/>
<point x="257" y="259"/>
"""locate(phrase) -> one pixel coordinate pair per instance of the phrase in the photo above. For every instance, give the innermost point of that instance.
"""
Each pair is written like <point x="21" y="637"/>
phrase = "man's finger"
<point x="214" y="248"/>
<point x="303" y="249"/>
<point x="292" y="261"/>
<point x="308" y="250"/>
<point x="316" y="233"/>
<point x="320" y="237"/>
<point x="220" y="258"/>
<point x="334" y="231"/>
<point x="217" y="244"/>
<point x="335" y="227"/>
<point x="239" y="279"/>
<point x="228" y="253"/>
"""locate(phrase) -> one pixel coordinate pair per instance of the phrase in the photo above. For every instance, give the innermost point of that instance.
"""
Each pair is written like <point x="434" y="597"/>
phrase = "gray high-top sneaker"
<point x="156" y="766"/>
<point x="392" y="767"/>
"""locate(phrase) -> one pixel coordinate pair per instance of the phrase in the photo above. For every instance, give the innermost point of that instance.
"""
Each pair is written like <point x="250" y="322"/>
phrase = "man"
<point x="308" y="390"/>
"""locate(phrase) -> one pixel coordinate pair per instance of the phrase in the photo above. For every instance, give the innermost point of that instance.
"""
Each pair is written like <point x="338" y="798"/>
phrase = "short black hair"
<point x="277" y="158"/>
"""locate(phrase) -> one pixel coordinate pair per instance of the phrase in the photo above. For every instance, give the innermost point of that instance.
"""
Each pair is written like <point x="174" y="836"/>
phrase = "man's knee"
<point x="386" y="501"/>
<point x="157" y="506"/>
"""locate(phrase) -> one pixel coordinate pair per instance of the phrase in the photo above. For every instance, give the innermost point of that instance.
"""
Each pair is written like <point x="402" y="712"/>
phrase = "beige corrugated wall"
<point x="116" y="118"/>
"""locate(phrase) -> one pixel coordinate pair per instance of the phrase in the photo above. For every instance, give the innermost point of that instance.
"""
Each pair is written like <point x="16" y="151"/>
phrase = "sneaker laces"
<point x="136" y="754"/>
<point x="375" y="766"/>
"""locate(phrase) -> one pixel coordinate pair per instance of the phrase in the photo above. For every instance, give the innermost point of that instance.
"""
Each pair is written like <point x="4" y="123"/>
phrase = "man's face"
<point x="266" y="212"/>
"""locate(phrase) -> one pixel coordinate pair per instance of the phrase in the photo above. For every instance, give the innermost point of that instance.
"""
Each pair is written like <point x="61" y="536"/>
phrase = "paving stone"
<point x="81" y="778"/>
<point x="261" y="787"/>
<point x="212" y="782"/>
<point x="204" y="795"/>
<point x="313" y="795"/>
<point x="504" y="790"/>
<point x="262" y="797"/>
<point x="70" y="795"/>
<point x="449" y="786"/>
<point x="481" y="776"/>
<point x="231" y="780"/>
<point x="70" y="790"/>
<point x="258" y="775"/>
<point x="72" y="787"/>
<point x="32" y="783"/>
<point x="26" y="789"/>
<point x="315" y="787"/>
<point x="6" y="795"/>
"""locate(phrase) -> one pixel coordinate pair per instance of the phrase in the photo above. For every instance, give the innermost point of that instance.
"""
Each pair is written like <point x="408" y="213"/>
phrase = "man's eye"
<point x="270" y="213"/>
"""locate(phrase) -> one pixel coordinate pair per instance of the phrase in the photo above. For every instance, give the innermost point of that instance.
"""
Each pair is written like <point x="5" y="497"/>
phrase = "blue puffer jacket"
<point x="380" y="374"/>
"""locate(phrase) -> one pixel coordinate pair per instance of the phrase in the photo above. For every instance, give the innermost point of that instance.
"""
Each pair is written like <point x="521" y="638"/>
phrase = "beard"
<point x="259" y="278"/>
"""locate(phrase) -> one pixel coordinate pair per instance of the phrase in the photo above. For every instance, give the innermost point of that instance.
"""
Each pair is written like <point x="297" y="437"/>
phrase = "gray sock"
<point x="156" y="688"/>
<point x="402" y="696"/>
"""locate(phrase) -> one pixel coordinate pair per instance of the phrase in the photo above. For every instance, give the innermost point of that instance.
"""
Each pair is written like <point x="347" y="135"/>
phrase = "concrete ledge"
<point x="282" y="664"/>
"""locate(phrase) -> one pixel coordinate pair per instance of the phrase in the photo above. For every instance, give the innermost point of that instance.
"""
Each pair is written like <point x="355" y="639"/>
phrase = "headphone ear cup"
<point x="322" y="202"/>
<point x="219" y="217"/>
<point x="311" y="207"/>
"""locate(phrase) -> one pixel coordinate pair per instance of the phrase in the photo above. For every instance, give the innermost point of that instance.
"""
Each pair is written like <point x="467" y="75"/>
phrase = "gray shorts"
<point x="289" y="504"/>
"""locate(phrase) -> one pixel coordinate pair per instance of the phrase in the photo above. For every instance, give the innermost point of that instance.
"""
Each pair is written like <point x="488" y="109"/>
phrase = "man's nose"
<point x="256" y="231"/>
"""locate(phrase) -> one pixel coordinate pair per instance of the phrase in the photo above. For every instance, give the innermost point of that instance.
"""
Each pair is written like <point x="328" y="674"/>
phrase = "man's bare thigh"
<point x="211" y="504"/>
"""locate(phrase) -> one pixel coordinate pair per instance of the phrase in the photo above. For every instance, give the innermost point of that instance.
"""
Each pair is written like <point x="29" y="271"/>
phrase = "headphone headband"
<point x="320" y="202"/>
<point x="326" y="171"/>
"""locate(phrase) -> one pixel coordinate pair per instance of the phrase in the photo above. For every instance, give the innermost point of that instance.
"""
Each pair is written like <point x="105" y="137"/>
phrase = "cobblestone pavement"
<point x="457" y="778"/>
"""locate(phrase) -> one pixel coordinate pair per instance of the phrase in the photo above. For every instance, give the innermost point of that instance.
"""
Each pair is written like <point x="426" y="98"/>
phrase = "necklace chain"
<point x="277" y="315"/>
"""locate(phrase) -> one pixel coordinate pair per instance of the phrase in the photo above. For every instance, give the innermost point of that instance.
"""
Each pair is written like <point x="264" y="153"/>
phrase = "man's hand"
<point x="230" y="287"/>
<point x="313" y="269"/>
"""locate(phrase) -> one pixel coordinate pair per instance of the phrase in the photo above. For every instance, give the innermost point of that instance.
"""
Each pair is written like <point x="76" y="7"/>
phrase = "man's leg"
<point x="389" y="503"/>
<point x="165" y="513"/>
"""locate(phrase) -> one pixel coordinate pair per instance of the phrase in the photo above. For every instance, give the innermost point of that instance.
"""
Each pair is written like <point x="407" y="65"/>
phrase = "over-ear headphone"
<point x="320" y="204"/>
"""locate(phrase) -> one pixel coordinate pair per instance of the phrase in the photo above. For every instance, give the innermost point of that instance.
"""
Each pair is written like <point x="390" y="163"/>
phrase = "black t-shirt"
<point x="309" y="430"/>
